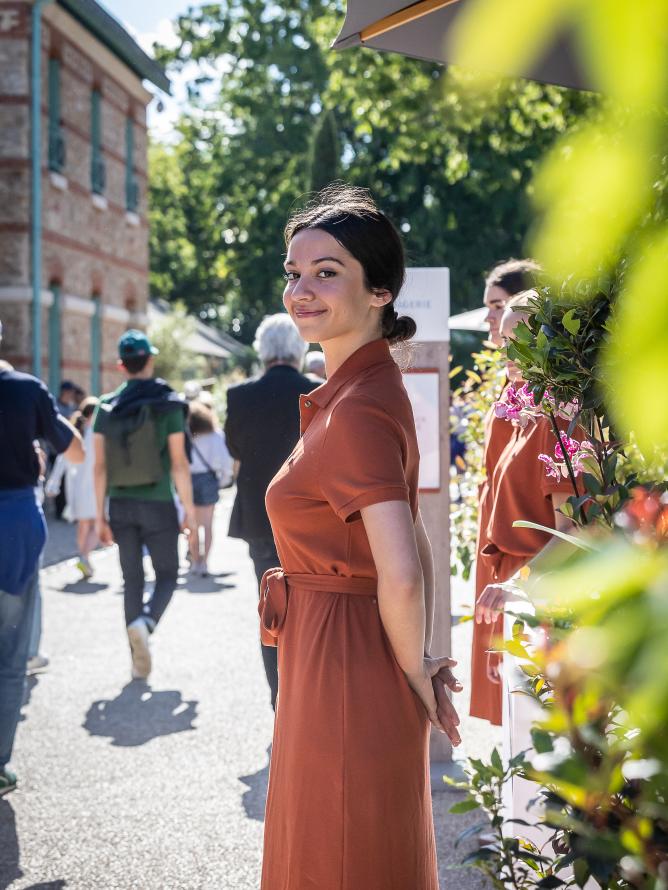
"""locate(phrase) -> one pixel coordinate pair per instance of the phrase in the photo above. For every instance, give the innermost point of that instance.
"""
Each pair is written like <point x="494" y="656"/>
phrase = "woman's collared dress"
<point x="349" y="802"/>
<point x="485" y="695"/>
<point x="517" y="488"/>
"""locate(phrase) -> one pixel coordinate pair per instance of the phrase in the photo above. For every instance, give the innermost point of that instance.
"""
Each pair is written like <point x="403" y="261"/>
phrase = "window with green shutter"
<point x="131" y="184"/>
<point x="56" y="140"/>
<point x="97" y="172"/>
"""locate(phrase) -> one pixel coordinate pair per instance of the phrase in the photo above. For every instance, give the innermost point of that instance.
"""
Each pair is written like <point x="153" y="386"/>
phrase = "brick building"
<point x="84" y="227"/>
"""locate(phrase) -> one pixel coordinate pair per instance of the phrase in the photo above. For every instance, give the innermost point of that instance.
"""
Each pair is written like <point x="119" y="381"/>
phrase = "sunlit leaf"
<point x="583" y="189"/>
<point x="474" y="39"/>
<point x="625" y="47"/>
<point x="570" y="539"/>
<point x="638" y="354"/>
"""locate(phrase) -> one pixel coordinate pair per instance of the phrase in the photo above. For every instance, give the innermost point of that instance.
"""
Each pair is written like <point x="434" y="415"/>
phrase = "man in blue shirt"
<point x="27" y="412"/>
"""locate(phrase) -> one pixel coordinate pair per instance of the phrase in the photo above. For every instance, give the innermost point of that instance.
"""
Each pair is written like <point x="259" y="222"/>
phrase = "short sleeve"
<point x="50" y="424"/>
<point x="98" y="418"/>
<point x="175" y="421"/>
<point x="362" y="458"/>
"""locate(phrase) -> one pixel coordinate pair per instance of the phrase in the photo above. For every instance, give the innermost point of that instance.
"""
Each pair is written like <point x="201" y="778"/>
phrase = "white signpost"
<point x="426" y="298"/>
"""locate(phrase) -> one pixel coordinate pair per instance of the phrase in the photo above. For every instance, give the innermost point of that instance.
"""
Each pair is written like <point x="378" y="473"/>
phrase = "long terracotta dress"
<point x="485" y="695"/>
<point x="517" y="488"/>
<point x="349" y="802"/>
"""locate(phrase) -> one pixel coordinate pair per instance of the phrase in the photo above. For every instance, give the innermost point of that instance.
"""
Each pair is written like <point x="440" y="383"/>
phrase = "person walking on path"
<point x="504" y="281"/>
<point x="211" y="468"/>
<point x="139" y="436"/>
<point x="261" y="429"/>
<point x="79" y="487"/>
<point x="351" y="608"/>
<point x="27" y="413"/>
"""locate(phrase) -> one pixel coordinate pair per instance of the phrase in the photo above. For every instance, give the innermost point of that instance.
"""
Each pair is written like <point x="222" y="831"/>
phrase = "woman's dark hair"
<point x="350" y="215"/>
<point x="513" y="276"/>
<point x="201" y="419"/>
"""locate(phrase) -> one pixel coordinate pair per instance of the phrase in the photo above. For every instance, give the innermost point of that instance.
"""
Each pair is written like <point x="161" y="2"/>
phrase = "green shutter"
<point x="95" y="347"/>
<point x="131" y="186"/>
<point x="56" y="141"/>
<point x="97" y="172"/>
<point x="55" y="347"/>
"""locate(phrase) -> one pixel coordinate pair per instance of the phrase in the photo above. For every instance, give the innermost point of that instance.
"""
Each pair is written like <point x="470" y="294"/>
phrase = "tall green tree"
<point x="456" y="180"/>
<point x="325" y="158"/>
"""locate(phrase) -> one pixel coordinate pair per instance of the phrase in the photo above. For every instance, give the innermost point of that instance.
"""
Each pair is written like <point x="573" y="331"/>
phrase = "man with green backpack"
<point x="140" y="458"/>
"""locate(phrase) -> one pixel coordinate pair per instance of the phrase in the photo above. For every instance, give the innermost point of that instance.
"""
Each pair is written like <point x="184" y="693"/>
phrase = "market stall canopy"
<point x="423" y="30"/>
<point x="473" y="320"/>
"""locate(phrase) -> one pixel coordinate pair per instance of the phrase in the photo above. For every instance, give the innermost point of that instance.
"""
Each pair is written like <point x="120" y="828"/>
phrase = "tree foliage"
<point x="454" y="177"/>
<point x="325" y="158"/>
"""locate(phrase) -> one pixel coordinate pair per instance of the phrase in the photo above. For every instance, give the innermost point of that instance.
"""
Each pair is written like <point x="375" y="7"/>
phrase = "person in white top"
<point x="211" y="467"/>
<point x="79" y="486"/>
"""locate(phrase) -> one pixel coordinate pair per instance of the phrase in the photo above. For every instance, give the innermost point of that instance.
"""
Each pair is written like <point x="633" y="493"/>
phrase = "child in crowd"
<point x="211" y="469"/>
<point x="79" y="486"/>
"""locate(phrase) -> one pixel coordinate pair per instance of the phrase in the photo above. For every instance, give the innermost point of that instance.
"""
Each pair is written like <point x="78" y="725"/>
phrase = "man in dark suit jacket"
<point x="261" y="429"/>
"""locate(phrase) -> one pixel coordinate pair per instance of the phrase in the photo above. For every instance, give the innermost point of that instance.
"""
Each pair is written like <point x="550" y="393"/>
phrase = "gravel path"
<point x="129" y="786"/>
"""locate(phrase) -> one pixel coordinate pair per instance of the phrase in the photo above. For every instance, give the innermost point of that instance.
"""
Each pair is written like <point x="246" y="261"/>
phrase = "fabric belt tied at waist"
<point x="274" y="586"/>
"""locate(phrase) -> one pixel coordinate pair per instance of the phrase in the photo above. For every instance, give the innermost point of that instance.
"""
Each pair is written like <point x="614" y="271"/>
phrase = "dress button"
<point x="307" y="403"/>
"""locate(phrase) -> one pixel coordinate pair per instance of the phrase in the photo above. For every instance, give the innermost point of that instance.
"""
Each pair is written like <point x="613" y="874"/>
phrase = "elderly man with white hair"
<point x="261" y="429"/>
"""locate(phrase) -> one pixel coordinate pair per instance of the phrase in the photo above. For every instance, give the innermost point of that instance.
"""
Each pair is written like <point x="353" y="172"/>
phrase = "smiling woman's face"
<point x="509" y="321"/>
<point x="325" y="292"/>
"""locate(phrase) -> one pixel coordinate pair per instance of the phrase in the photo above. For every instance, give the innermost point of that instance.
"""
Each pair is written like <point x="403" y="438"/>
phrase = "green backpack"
<point x="131" y="447"/>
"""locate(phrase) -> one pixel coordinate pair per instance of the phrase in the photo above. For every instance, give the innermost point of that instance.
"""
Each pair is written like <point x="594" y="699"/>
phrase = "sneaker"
<point x="141" y="654"/>
<point x="7" y="781"/>
<point x="37" y="665"/>
<point x="85" y="568"/>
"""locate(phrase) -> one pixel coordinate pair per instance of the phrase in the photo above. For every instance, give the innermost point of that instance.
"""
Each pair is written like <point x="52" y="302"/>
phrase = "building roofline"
<point x="113" y="35"/>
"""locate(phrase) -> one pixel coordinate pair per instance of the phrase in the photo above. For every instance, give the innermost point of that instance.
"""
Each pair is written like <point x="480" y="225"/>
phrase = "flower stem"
<point x="567" y="461"/>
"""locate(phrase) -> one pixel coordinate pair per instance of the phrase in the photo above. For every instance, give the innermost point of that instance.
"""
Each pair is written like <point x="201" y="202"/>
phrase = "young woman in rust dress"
<point x="504" y="281"/>
<point x="518" y="488"/>
<point x="349" y="803"/>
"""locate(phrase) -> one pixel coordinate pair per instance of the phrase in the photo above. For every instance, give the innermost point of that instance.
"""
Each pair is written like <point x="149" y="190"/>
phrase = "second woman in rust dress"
<point x="349" y="803"/>
<point x="517" y="488"/>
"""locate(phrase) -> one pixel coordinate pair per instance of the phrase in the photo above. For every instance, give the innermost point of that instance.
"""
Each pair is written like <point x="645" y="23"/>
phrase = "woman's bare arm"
<point x="391" y="533"/>
<point x="401" y="601"/>
<point x="427" y="562"/>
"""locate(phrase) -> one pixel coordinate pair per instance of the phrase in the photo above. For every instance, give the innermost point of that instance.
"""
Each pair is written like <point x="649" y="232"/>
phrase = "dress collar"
<point x="376" y="352"/>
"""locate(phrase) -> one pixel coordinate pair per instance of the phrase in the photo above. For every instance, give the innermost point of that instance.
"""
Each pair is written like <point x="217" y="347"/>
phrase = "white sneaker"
<point x="141" y="654"/>
<point x="36" y="665"/>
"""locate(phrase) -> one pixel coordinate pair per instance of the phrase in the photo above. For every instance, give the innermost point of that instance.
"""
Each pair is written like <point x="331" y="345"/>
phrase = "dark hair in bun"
<point x="350" y="215"/>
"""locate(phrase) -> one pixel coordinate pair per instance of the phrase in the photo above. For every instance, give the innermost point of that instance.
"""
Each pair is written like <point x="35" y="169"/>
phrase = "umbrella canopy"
<point x="473" y="320"/>
<point x="422" y="30"/>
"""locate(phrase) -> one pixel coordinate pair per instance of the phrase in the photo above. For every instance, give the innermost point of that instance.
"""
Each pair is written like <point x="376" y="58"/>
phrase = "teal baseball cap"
<point x="135" y="343"/>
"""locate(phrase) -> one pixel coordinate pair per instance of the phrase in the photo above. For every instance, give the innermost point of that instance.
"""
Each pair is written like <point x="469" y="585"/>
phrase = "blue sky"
<point x="148" y="21"/>
<point x="145" y="16"/>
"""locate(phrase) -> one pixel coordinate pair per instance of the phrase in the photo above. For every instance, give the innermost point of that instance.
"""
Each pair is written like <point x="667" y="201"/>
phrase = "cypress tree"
<point x="325" y="156"/>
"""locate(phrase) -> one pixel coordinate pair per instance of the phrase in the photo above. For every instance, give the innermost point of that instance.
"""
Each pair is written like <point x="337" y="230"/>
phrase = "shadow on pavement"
<point x="9" y="846"/>
<point x="210" y="584"/>
<point x="30" y="684"/>
<point x="138" y="714"/>
<point x="82" y="587"/>
<point x="49" y="885"/>
<point x="255" y="798"/>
